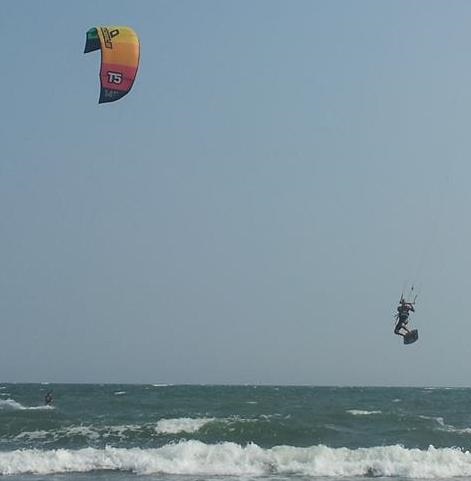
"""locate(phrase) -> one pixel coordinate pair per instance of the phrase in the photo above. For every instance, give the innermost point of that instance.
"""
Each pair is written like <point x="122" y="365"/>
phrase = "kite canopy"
<point x="119" y="59"/>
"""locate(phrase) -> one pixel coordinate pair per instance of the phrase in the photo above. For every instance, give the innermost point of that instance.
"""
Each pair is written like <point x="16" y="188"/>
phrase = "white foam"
<point x="181" y="425"/>
<point x="438" y="420"/>
<point x="442" y="426"/>
<point x="359" y="412"/>
<point x="452" y="429"/>
<point x="70" y="431"/>
<point x="229" y="459"/>
<point x="119" y="393"/>
<point x="33" y="435"/>
<point x="122" y="430"/>
<point x="90" y="432"/>
<point x="85" y="431"/>
<point x="12" y="404"/>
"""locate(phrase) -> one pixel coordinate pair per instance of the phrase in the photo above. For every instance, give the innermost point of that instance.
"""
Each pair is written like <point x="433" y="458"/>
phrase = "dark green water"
<point x="199" y="432"/>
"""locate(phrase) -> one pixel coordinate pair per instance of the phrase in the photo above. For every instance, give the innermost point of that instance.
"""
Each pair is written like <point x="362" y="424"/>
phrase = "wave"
<point x="181" y="425"/>
<point x="90" y="433"/>
<point x="33" y="435"/>
<point x="442" y="426"/>
<point x="12" y="404"/>
<point x="126" y="432"/>
<point x="192" y="425"/>
<point x="359" y="412"/>
<point x="230" y="459"/>
<point x="117" y="432"/>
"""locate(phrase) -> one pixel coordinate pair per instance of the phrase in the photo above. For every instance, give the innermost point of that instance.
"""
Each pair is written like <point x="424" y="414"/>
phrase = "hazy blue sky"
<point x="250" y="212"/>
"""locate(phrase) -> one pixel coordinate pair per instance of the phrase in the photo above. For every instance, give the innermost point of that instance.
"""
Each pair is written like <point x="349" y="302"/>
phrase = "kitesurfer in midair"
<point x="402" y="317"/>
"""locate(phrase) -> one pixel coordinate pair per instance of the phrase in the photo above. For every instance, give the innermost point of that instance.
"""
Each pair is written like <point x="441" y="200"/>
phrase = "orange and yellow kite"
<point x="119" y="59"/>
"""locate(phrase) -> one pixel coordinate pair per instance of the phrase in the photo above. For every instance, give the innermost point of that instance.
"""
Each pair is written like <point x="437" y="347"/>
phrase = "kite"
<point x="119" y="59"/>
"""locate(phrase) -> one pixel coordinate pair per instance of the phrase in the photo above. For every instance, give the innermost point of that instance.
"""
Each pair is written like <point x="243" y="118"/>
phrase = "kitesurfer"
<point x="48" y="398"/>
<point x="402" y="317"/>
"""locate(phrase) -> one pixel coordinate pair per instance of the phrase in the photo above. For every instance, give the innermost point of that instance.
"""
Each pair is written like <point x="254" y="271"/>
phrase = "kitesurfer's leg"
<point x="402" y="324"/>
<point x="397" y="329"/>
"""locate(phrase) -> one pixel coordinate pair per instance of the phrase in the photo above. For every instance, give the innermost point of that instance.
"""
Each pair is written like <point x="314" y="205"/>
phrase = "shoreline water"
<point x="243" y="432"/>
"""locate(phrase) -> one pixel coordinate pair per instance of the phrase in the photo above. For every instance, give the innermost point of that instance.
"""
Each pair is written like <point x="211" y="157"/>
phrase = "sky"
<point x="252" y="210"/>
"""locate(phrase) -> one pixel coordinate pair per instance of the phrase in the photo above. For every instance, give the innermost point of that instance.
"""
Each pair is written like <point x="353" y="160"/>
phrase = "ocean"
<point x="160" y="432"/>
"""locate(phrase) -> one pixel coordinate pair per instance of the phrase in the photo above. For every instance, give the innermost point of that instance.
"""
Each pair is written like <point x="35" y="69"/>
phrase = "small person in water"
<point x="48" y="398"/>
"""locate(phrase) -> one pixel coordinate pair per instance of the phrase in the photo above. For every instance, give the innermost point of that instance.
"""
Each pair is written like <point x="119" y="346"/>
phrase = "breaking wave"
<point x="181" y="425"/>
<point x="197" y="458"/>
<point x="442" y="426"/>
<point x="12" y="404"/>
<point x="359" y="412"/>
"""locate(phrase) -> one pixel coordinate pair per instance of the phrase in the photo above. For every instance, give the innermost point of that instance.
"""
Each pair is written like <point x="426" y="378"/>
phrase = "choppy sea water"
<point x="196" y="433"/>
